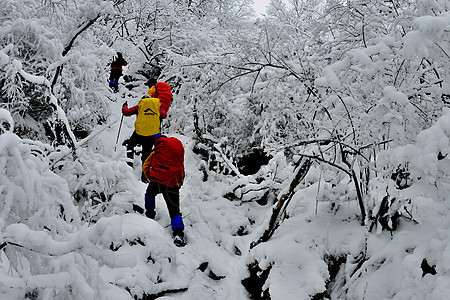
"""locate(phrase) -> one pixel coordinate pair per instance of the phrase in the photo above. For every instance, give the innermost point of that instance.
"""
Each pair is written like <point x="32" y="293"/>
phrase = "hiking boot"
<point x="178" y="240"/>
<point x="150" y="213"/>
<point x="178" y="237"/>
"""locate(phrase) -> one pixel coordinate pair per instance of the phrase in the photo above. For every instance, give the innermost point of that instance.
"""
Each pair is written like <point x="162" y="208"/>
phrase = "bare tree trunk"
<point x="277" y="217"/>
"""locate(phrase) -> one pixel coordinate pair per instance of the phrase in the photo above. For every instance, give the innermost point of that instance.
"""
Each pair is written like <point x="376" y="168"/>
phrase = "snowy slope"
<point x="374" y="265"/>
<point x="317" y="247"/>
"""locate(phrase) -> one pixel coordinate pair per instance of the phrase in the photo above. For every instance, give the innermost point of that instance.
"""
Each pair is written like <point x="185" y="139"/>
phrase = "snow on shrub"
<point x="49" y="253"/>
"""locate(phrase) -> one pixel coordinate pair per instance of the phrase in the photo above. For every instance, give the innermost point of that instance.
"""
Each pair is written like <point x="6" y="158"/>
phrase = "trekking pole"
<point x="120" y="126"/>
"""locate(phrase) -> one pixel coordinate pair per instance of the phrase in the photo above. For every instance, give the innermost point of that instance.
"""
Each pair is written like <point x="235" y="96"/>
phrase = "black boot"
<point x="178" y="238"/>
<point x="150" y="213"/>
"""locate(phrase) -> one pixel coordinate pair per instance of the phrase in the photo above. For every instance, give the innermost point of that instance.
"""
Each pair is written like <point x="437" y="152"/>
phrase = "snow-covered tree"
<point x="48" y="42"/>
<point x="338" y="108"/>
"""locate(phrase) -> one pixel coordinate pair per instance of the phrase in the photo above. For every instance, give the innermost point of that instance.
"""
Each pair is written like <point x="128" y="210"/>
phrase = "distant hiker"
<point x="147" y="126"/>
<point x="165" y="169"/>
<point x="116" y="71"/>
<point x="163" y="92"/>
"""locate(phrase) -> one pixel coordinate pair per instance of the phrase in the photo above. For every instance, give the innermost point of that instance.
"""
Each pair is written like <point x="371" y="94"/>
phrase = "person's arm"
<point x="162" y="113"/>
<point x="147" y="165"/>
<point x="129" y="111"/>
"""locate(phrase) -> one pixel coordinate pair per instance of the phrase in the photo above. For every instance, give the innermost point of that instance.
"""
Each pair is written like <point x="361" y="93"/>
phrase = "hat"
<point x="150" y="82"/>
<point x="152" y="92"/>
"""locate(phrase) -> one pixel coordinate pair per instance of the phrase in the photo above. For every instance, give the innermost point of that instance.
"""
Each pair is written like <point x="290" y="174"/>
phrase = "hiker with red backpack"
<point x="116" y="71"/>
<point x="163" y="92"/>
<point x="147" y="126"/>
<point x="165" y="169"/>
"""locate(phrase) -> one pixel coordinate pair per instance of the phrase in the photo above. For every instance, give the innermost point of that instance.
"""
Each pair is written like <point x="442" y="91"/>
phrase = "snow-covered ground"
<point x="67" y="225"/>
<point x="124" y="253"/>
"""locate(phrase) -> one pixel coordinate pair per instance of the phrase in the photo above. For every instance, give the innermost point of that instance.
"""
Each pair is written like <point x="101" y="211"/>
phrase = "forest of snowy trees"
<point x="317" y="140"/>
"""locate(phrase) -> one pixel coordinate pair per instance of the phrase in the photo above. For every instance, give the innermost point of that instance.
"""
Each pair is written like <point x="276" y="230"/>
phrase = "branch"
<point x="286" y="66"/>
<point x="396" y="11"/>
<point x="349" y="117"/>
<point x="162" y="293"/>
<point x="83" y="141"/>
<point x="20" y="246"/>
<point x="66" y="50"/>
<point x="53" y="102"/>
<point x="227" y="161"/>
<point x="357" y="187"/>
<point x="324" y="142"/>
<point x="398" y="72"/>
<point x="446" y="54"/>
<point x="315" y="157"/>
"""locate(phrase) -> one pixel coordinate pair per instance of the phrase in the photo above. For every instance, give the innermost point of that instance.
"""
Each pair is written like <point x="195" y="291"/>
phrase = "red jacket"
<point x="118" y="62"/>
<point x="165" y="164"/>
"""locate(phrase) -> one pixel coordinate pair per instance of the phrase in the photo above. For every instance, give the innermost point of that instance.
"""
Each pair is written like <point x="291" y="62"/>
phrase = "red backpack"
<point x="166" y="163"/>
<point x="164" y="93"/>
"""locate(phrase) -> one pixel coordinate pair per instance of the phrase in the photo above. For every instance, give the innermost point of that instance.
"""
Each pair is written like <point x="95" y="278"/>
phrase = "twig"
<point x="349" y="117"/>
<point x="398" y="71"/>
<point x="327" y="162"/>
<point x="318" y="191"/>
<point x="23" y="247"/>
<point x="446" y="54"/>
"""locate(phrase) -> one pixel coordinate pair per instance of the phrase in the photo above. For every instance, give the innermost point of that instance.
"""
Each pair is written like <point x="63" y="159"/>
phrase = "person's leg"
<point x="114" y="78"/>
<point x="111" y="79"/>
<point x="150" y="199"/>
<point x="172" y="198"/>
<point x="130" y="144"/>
<point x="147" y="146"/>
<point x="177" y="226"/>
<point x="119" y="74"/>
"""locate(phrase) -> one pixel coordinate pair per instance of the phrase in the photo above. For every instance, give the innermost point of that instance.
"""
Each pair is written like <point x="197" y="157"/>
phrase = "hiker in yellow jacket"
<point x="147" y="125"/>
